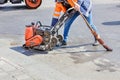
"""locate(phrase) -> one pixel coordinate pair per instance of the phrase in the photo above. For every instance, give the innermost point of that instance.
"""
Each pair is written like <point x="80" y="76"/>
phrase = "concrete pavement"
<point x="15" y="64"/>
<point x="76" y="62"/>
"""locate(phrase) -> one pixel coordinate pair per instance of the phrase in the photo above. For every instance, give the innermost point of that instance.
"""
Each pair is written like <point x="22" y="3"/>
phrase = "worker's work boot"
<point x="96" y="43"/>
<point x="64" y="42"/>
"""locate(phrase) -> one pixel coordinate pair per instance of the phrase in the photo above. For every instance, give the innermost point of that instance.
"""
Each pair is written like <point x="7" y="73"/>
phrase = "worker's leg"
<point x="67" y="27"/>
<point x="90" y="21"/>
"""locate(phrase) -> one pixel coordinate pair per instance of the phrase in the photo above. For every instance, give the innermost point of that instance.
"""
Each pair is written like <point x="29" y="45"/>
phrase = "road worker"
<point x="85" y="6"/>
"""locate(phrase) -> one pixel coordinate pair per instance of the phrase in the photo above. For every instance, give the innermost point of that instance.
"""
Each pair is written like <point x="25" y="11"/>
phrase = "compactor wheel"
<point x="60" y="38"/>
<point x="33" y="4"/>
<point x="46" y="37"/>
<point x="53" y="42"/>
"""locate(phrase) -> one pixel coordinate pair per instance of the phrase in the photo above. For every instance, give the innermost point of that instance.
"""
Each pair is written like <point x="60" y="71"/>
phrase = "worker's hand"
<point x="77" y="7"/>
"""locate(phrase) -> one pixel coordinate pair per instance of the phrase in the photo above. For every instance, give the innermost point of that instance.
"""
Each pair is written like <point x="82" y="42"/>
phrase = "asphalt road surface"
<point x="106" y="17"/>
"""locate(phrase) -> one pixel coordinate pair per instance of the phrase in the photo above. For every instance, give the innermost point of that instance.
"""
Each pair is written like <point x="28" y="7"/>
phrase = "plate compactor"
<point x="42" y="37"/>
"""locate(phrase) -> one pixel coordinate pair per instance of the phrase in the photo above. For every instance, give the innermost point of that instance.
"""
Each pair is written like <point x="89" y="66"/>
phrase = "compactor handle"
<point x="38" y="23"/>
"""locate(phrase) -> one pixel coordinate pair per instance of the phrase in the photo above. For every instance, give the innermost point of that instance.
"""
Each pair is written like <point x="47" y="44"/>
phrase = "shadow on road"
<point x="82" y="48"/>
<point x="118" y="6"/>
<point x="29" y="52"/>
<point x="72" y="49"/>
<point x="111" y="23"/>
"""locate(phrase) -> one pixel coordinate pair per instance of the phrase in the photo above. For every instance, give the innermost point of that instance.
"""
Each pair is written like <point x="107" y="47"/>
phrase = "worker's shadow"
<point x="79" y="48"/>
<point x="13" y="8"/>
<point x="27" y="52"/>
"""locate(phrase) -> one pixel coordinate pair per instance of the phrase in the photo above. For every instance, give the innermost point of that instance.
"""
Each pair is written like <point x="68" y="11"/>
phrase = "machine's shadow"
<point x="27" y="52"/>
